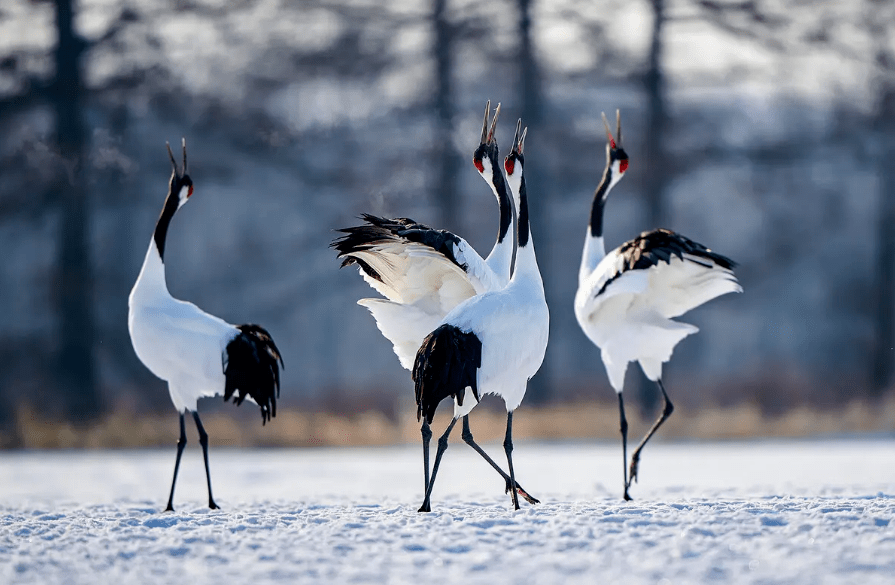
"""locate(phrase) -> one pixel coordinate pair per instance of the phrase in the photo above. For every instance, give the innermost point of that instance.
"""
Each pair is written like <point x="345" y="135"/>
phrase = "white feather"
<point x="176" y="340"/>
<point x="632" y="318"/>
<point x="405" y="326"/>
<point x="422" y="285"/>
<point x="513" y="325"/>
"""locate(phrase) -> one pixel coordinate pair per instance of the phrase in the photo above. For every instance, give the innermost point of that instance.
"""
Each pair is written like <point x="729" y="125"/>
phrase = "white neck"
<point x="500" y="260"/>
<point x="594" y="251"/>
<point x="151" y="282"/>
<point x="526" y="268"/>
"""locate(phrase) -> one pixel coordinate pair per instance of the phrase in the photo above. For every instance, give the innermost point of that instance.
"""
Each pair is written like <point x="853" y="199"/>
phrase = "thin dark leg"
<point x="508" y="447"/>
<point x="666" y="412"/>
<point x="427" y="436"/>
<point x="442" y="447"/>
<point x="467" y="436"/>
<point x="624" y="429"/>
<point x="181" y="443"/>
<point x="203" y="440"/>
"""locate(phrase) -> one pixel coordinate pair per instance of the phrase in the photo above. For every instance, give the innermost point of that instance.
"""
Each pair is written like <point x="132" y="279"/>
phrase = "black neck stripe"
<point x="506" y="209"/>
<point x="523" y="213"/>
<point x="161" y="227"/>
<point x="596" y="210"/>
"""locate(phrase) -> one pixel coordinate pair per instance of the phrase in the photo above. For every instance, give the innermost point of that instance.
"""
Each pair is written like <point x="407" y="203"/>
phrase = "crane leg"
<point x="442" y="447"/>
<point x="181" y="443"/>
<point x="203" y="440"/>
<point x="467" y="436"/>
<point x="508" y="447"/>
<point x="667" y="409"/>
<point x="623" y="425"/>
<point x="426" y="432"/>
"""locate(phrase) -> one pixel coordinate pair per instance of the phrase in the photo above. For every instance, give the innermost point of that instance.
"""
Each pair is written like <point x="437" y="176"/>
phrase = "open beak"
<point x="485" y="123"/>
<point x="488" y="129"/>
<point x="171" y="156"/>
<point x="174" y="162"/>
<point x="493" y="124"/>
<point x="608" y="131"/>
<point x="519" y="138"/>
<point x="618" y="129"/>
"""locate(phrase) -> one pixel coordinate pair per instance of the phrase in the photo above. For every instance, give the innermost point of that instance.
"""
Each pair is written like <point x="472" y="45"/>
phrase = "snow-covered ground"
<point x="765" y="512"/>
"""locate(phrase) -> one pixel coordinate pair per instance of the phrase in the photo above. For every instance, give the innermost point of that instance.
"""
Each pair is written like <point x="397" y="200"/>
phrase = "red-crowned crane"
<point x="198" y="354"/>
<point x="492" y="343"/>
<point x="627" y="299"/>
<point x="424" y="273"/>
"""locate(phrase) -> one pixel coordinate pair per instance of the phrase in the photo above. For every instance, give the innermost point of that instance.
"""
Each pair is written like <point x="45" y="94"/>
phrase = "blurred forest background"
<point x="764" y="129"/>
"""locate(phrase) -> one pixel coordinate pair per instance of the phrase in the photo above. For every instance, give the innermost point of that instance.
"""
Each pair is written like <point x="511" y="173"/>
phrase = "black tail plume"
<point x="446" y="364"/>
<point x="251" y="369"/>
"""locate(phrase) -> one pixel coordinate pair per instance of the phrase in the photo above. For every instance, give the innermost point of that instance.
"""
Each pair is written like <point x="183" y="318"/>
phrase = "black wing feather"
<point x="251" y="369"/>
<point x="650" y="248"/>
<point x="379" y="230"/>
<point x="446" y="364"/>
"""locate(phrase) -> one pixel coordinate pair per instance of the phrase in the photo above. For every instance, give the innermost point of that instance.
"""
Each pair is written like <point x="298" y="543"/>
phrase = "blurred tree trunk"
<point x="883" y="356"/>
<point x="657" y="171"/>
<point x="77" y="380"/>
<point x="446" y="159"/>
<point x="539" y="389"/>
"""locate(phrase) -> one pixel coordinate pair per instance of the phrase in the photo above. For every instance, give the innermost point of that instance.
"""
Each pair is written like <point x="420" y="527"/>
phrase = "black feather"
<point x="379" y="231"/>
<point x="650" y="248"/>
<point x="251" y="369"/>
<point x="446" y="364"/>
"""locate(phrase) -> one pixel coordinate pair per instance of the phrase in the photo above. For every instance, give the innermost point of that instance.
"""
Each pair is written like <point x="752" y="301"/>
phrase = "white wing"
<point x="405" y="326"/>
<point x="182" y="344"/>
<point x="627" y="305"/>
<point x="423" y="274"/>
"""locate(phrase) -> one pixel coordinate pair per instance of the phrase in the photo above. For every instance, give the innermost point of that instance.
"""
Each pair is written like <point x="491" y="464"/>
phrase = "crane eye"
<point x="510" y="165"/>
<point x="478" y="164"/>
<point x="623" y="165"/>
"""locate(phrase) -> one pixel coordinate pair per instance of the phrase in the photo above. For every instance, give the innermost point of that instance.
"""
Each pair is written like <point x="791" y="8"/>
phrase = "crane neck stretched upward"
<point x="172" y="203"/>
<point x="594" y="248"/>
<point x="526" y="267"/>
<point x="501" y="257"/>
<point x="151" y="281"/>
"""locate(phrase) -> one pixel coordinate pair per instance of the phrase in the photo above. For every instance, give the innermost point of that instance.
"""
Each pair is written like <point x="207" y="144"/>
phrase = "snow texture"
<point x="815" y="512"/>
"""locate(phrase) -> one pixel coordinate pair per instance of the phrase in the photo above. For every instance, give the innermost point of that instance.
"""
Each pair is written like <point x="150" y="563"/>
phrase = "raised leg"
<point x="442" y="447"/>
<point x="426" y="432"/>
<point x="203" y="440"/>
<point x="467" y="436"/>
<point x="508" y="447"/>
<point x="624" y="429"/>
<point x="667" y="409"/>
<point x="181" y="443"/>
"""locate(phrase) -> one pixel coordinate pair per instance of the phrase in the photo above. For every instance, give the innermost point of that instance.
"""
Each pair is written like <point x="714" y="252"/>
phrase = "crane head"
<point x="181" y="183"/>
<point x="513" y="163"/>
<point x="617" y="158"/>
<point x="485" y="156"/>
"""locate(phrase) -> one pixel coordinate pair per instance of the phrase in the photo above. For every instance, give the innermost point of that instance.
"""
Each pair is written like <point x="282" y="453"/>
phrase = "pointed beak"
<point x="519" y="138"/>
<point x="608" y="131"/>
<point x="618" y="127"/>
<point x="493" y="124"/>
<point x="485" y="122"/>
<point x="183" y="139"/>
<point x="171" y="156"/>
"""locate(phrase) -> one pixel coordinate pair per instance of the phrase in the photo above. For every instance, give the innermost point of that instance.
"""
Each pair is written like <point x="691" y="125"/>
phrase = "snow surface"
<point x="765" y="512"/>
